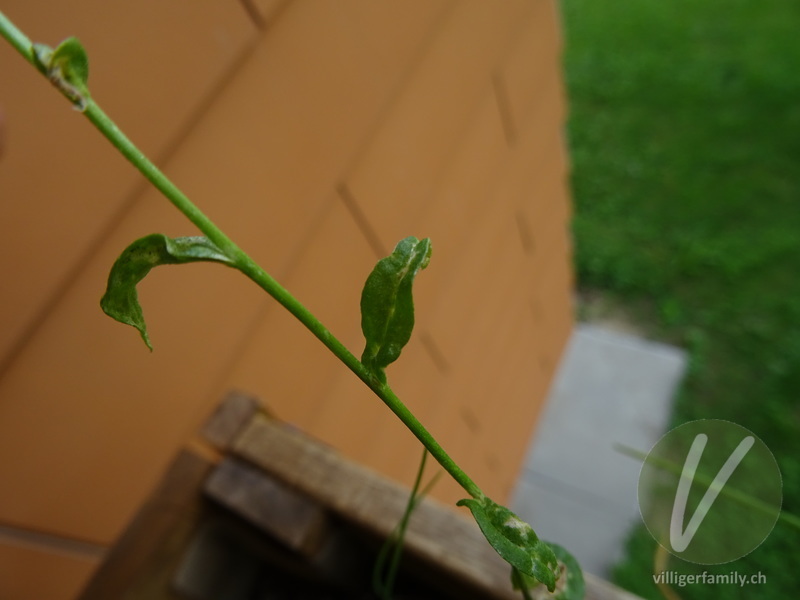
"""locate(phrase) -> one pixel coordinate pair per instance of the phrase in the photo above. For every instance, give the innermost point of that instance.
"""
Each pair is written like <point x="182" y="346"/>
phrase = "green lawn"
<point x="685" y="143"/>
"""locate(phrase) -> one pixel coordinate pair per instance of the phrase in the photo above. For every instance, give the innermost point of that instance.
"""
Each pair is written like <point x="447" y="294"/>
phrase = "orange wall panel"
<point x="320" y="135"/>
<point x="531" y="64"/>
<point x="34" y="573"/>
<point x="282" y="362"/>
<point x="395" y="176"/>
<point x="265" y="159"/>
<point x="56" y="170"/>
<point x="264" y="11"/>
<point x="453" y="214"/>
<point x="88" y="416"/>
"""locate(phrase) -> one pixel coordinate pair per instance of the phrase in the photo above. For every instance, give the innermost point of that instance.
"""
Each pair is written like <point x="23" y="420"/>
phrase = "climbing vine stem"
<point x="386" y="303"/>
<point x="247" y="265"/>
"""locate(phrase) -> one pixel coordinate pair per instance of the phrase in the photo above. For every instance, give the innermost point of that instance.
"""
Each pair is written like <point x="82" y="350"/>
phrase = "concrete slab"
<point x="575" y="488"/>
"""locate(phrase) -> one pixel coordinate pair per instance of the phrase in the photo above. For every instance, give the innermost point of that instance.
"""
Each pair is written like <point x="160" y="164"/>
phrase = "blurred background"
<point x="683" y="128"/>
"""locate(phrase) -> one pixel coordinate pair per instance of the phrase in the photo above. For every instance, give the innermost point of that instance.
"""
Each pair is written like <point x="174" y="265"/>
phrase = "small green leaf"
<point x="121" y="302"/>
<point x="70" y="56"/>
<point x="387" y="305"/>
<point x="67" y="68"/>
<point x="570" y="584"/>
<point x="515" y="541"/>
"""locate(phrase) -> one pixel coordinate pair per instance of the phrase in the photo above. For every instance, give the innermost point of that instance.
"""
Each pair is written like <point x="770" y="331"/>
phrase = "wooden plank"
<point x="176" y="542"/>
<point x="217" y="564"/>
<point x="285" y="514"/>
<point x="436" y="534"/>
<point x="229" y="558"/>
<point x="228" y="419"/>
<point x="140" y="565"/>
<point x="450" y="546"/>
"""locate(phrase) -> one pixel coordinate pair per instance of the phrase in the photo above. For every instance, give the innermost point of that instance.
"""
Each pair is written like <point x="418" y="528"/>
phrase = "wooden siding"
<point x="317" y="134"/>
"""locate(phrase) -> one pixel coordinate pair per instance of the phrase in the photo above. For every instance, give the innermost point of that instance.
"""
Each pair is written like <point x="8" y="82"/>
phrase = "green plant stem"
<point x="519" y="582"/>
<point x="120" y="141"/>
<point x="264" y="280"/>
<point x="248" y="266"/>
<point x="383" y="391"/>
<point x="383" y="578"/>
<point x="16" y="38"/>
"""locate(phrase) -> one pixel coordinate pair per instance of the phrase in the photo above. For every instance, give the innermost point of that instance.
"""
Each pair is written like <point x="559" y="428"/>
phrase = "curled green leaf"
<point x="387" y="305"/>
<point x="515" y="541"/>
<point x="67" y="68"/>
<point x="570" y="584"/>
<point x="121" y="302"/>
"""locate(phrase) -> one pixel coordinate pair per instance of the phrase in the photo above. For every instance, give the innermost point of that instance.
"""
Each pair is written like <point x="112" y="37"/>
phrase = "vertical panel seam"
<point x="259" y="20"/>
<point x="361" y="220"/>
<point x="503" y="103"/>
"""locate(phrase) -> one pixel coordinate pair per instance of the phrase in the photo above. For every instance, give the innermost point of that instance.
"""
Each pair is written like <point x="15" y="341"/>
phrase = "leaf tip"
<point x="117" y="304"/>
<point x="121" y="301"/>
<point x="146" y="339"/>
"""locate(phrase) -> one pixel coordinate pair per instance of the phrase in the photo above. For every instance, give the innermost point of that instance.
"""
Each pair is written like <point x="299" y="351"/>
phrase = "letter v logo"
<point x="679" y="538"/>
<point x="710" y="491"/>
